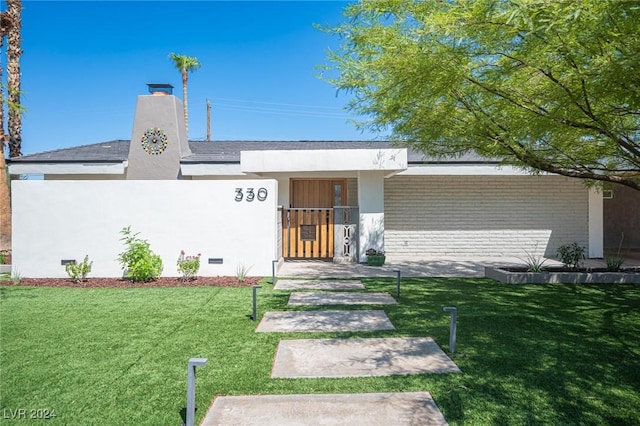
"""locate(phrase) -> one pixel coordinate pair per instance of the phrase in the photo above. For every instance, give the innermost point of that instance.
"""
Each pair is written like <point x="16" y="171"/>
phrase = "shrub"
<point x="139" y="263"/>
<point x="241" y="272"/>
<point x="571" y="255"/>
<point x="188" y="266"/>
<point x="79" y="271"/>
<point x="533" y="262"/>
<point x="614" y="263"/>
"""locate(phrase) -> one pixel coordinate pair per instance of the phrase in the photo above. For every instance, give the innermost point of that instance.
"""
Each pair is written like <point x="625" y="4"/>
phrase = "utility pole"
<point x="208" y="121"/>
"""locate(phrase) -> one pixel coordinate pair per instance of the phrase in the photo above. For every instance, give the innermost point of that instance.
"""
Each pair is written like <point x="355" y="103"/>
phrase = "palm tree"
<point x="10" y="27"/>
<point x="185" y="64"/>
<point x="5" y="204"/>
<point x="14" y="51"/>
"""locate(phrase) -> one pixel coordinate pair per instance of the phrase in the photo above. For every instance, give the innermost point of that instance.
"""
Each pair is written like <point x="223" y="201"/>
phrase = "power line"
<point x="279" y="111"/>
<point x="277" y="103"/>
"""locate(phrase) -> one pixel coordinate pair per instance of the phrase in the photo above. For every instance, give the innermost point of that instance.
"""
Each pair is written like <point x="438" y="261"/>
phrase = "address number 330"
<point x="250" y="194"/>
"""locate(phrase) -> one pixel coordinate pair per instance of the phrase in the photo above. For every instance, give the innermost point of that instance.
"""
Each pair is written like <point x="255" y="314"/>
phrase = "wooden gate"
<point x="307" y="233"/>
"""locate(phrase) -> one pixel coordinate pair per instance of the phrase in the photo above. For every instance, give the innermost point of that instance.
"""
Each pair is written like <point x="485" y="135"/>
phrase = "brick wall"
<point x="483" y="215"/>
<point x="352" y="192"/>
<point x="622" y="215"/>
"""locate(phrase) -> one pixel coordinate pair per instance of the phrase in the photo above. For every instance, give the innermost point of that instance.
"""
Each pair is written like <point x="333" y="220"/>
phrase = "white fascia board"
<point x="68" y="168"/>
<point x="463" y="170"/>
<point x="323" y="160"/>
<point x="204" y="169"/>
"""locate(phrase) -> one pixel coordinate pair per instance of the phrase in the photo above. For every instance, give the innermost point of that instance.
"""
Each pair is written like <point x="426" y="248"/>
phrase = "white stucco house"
<point x="250" y="203"/>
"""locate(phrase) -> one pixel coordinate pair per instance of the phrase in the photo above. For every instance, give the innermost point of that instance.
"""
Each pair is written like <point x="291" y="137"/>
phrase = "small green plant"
<point x="139" y="263"/>
<point x="78" y="271"/>
<point x="375" y="257"/>
<point x="188" y="266"/>
<point x="533" y="262"/>
<point x="4" y="256"/>
<point x="614" y="263"/>
<point x="571" y="255"/>
<point x="241" y="272"/>
<point x="16" y="278"/>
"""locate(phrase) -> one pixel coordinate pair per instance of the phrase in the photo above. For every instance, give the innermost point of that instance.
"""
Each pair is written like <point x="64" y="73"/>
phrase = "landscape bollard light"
<point x="273" y="271"/>
<point x="255" y="302"/>
<point x="397" y="271"/>
<point x="191" y="388"/>
<point x="452" y="330"/>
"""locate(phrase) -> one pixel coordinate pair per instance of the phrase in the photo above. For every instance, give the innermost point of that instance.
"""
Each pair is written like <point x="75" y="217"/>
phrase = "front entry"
<point x="308" y="225"/>
<point x="308" y="234"/>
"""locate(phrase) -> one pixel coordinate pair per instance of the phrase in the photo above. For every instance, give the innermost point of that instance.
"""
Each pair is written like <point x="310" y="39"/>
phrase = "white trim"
<point x="68" y="168"/>
<point x="199" y="169"/>
<point x="326" y="160"/>
<point x="463" y="170"/>
<point x="596" y="224"/>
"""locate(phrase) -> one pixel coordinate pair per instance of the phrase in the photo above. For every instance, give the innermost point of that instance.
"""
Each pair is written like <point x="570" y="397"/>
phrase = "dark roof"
<point x="117" y="151"/>
<point x="106" y="152"/>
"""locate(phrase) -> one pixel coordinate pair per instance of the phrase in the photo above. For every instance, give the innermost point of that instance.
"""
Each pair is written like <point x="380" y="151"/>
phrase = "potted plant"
<point x="375" y="257"/>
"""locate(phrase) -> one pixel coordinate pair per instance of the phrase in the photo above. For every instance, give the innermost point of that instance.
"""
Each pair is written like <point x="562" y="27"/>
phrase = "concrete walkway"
<point x="336" y="358"/>
<point x="314" y="358"/>
<point x="306" y="284"/>
<point x="412" y="268"/>
<point x="371" y="409"/>
<point x="326" y="298"/>
<point x="293" y="321"/>
<point x="436" y="267"/>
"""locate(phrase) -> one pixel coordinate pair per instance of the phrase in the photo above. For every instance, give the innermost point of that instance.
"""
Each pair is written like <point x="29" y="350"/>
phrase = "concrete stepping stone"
<point x="357" y="357"/>
<point x="311" y="284"/>
<point x="291" y="321"/>
<point x="340" y="298"/>
<point x="372" y="409"/>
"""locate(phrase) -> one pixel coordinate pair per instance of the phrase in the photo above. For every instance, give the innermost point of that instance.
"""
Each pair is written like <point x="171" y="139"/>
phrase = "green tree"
<point x="548" y="85"/>
<point x="185" y="64"/>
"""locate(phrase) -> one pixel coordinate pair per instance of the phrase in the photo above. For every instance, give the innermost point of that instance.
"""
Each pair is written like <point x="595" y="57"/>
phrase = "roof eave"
<point x="68" y="168"/>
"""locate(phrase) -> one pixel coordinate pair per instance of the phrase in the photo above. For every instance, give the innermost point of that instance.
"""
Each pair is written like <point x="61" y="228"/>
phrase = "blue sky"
<point x="85" y="62"/>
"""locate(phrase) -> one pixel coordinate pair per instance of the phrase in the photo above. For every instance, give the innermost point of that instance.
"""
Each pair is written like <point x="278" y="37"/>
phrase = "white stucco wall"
<point x="55" y="220"/>
<point x="483" y="215"/>
<point x="371" y="202"/>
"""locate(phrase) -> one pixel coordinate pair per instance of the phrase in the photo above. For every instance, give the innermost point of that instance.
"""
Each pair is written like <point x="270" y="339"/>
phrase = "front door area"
<point x="308" y="225"/>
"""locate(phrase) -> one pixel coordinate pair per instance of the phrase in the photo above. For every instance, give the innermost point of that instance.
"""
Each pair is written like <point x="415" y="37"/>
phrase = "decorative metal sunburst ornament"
<point x="154" y="141"/>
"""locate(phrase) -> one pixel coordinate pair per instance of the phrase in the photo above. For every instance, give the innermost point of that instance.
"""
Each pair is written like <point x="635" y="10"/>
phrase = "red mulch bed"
<point x="121" y="283"/>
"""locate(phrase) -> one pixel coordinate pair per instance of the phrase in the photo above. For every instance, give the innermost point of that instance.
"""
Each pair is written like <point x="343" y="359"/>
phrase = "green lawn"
<point x="555" y="354"/>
